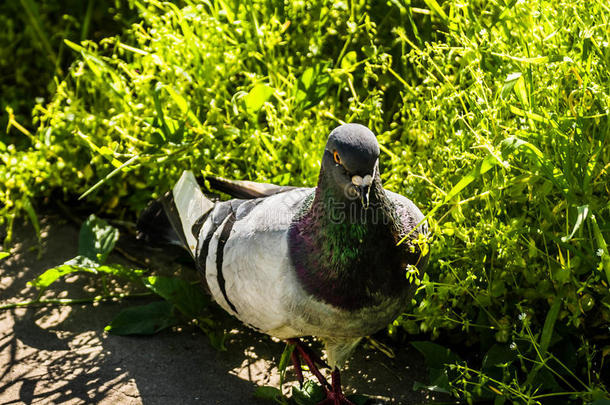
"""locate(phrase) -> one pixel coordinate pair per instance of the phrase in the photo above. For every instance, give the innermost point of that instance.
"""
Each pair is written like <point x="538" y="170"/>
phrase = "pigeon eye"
<point x="337" y="158"/>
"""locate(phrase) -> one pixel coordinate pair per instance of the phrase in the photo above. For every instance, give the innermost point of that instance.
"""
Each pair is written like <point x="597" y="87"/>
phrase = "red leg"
<point x="335" y="395"/>
<point x="296" y="362"/>
<point x="311" y="360"/>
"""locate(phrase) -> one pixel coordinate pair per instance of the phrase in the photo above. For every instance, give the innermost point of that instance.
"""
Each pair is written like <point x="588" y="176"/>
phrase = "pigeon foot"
<point x="334" y="393"/>
<point x="311" y="359"/>
<point x="335" y="396"/>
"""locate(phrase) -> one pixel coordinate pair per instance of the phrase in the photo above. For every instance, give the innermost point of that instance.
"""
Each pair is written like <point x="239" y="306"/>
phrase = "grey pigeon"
<point x="293" y="262"/>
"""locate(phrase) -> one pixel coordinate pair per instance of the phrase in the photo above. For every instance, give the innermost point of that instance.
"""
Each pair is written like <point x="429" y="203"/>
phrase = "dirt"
<point x="62" y="355"/>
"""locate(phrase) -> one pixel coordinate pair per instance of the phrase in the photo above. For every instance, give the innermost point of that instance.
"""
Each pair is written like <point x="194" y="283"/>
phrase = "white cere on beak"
<point x="358" y="181"/>
<point x="367" y="180"/>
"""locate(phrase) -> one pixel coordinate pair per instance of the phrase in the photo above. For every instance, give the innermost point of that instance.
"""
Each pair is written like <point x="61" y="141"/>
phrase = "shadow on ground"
<point x="61" y="354"/>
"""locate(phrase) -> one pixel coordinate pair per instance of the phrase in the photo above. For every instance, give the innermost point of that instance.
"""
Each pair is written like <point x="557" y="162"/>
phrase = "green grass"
<point x="493" y="117"/>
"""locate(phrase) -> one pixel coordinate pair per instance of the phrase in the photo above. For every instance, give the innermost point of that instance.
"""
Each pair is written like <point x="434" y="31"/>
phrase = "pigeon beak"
<point x="364" y="195"/>
<point x="363" y="185"/>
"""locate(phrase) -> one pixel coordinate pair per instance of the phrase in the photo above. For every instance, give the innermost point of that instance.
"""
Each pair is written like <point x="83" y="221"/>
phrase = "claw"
<point x="334" y="393"/>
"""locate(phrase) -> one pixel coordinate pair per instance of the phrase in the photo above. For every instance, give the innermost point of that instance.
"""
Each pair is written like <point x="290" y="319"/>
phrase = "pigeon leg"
<point x="312" y="360"/>
<point x="335" y="395"/>
<point x="296" y="362"/>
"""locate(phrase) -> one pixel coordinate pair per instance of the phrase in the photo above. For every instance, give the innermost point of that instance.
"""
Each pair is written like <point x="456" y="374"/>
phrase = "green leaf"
<point x="84" y="265"/>
<point x="188" y="298"/>
<point x="603" y="247"/>
<point x="77" y="264"/>
<point x="255" y="99"/>
<point x="29" y="209"/>
<point x="96" y="239"/>
<point x="284" y="361"/>
<point x="310" y="394"/>
<point x="121" y="271"/>
<point x="549" y="325"/>
<point x="269" y="393"/>
<point x="509" y="83"/>
<point x="312" y="86"/>
<point x="438" y="358"/>
<point x="143" y="319"/>
<point x="4" y="254"/>
<point x="349" y="61"/>
<point x="499" y="356"/>
<point x="481" y="168"/>
<point x="583" y="213"/>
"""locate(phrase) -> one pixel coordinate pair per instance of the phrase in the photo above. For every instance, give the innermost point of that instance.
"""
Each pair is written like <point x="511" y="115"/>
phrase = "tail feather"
<point x="172" y="218"/>
<point x="245" y="189"/>
<point x="154" y="226"/>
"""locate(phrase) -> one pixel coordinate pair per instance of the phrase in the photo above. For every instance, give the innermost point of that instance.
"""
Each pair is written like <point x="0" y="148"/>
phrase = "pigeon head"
<point x="351" y="161"/>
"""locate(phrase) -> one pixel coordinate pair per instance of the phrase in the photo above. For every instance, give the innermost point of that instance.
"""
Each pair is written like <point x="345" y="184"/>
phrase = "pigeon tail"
<point x="176" y="217"/>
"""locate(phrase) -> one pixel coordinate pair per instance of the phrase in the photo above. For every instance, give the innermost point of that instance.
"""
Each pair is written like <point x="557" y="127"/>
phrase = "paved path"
<point x="61" y="355"/>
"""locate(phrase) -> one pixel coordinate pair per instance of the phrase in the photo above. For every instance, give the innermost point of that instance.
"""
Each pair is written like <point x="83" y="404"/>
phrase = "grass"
<point x="492" y="116"/>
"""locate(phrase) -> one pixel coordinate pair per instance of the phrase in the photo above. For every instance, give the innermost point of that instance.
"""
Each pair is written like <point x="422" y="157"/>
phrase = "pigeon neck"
<point x="344" y="254"/>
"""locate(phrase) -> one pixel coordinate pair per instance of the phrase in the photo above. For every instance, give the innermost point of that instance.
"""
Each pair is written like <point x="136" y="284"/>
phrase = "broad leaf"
<point x="79" y="263"/>
<point x="436" y="356"/>
<point x="84" y="265"/>
<point x="509" y="83"/>
<point x="499" y="356"/>
<point x="310" y="394"/>
<point x="255" y="99"/>
<point x="189" y="299"/>
<point x="96" y="239"/>
<point x="313" y="85"/>
<point x="143" y="319"/>
<point x="4" y="254"/>
<point x="268" y="393"/>
<point x="438" y="359"/>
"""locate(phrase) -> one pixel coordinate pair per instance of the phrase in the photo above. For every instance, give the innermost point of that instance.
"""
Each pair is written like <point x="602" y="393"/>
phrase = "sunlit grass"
<point x="491" y="117"/>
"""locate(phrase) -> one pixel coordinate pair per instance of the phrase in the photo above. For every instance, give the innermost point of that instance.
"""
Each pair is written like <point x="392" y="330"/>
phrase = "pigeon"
<point x="339" y="261"/>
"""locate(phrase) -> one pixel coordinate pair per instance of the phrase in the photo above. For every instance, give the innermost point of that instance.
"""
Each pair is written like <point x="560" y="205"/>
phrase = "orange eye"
<point x="337" y="158"/>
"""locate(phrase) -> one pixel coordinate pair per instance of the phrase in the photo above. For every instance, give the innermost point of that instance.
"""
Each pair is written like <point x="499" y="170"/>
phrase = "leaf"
<point x="583" y="213"/>
<point x="603" y="247"/>
<point x="430" y="387"/>
<point x="349" y="61"/>
<point x="498" y="356"/>
<point x="29" y="209"/>
<point x="481" y="168"/>
<point x="312" y="86"/>
<point x="79" y="263"/>
<point x="283" y="363"/>
<point x="96" y="239"/>
<point x="143" y="319"/>
<point x="4" y="254"/>
<point x="549" y="325"/>
<point x="189" y="299"/>
<point x="310" y="394"/>
<point x="121" y="271"/>
<point x="509" y="83"/>
<point x="269" y="393"/>
<point x="84" y="265"/>
<point x="255" y="99"/>
<point x="437" y="358"/>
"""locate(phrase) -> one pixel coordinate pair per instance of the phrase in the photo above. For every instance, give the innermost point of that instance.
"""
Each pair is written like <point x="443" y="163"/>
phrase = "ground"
<point x="61" y="354"/>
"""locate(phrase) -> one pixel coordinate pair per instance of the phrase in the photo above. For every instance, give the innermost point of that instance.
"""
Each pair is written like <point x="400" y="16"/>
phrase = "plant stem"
<point x="72" y="301"/>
